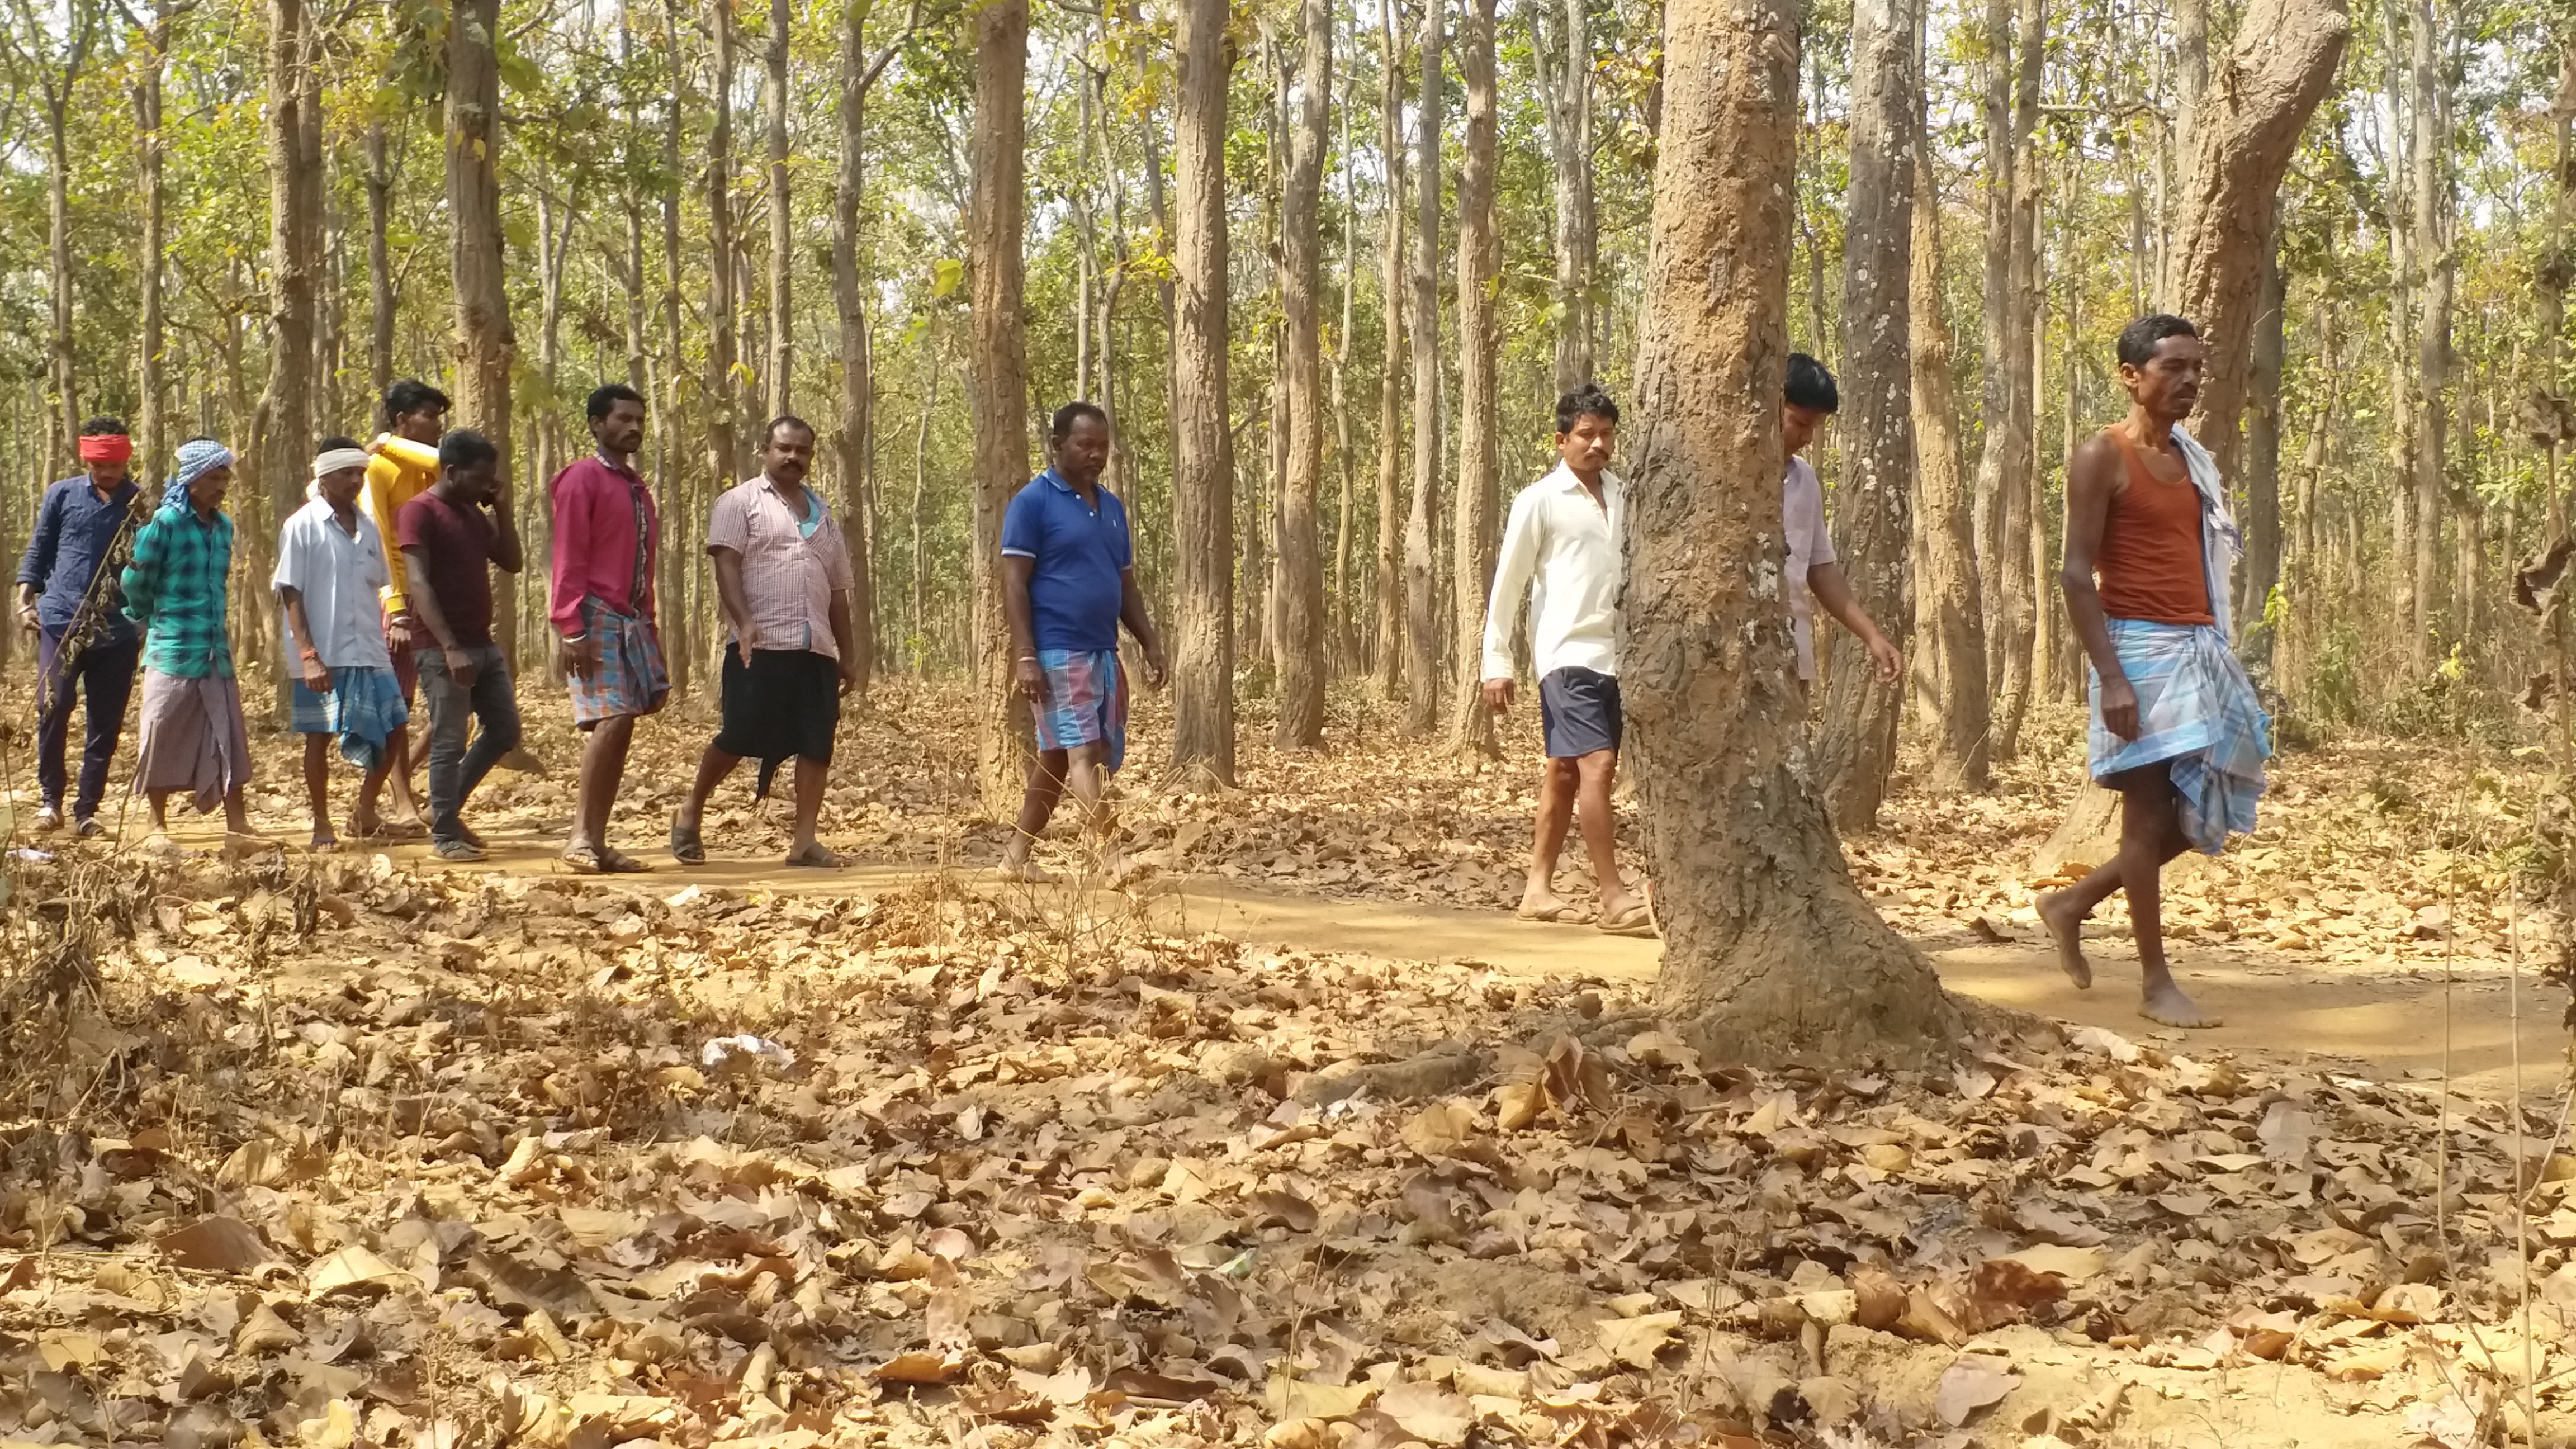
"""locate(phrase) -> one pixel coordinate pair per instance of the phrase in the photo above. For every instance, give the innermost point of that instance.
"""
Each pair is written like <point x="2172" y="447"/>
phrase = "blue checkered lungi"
<point x="2196" y="712"/>
<point x="631" y="678"/>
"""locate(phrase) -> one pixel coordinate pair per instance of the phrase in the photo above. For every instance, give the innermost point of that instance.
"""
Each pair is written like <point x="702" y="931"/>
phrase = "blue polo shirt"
<point x="1075" y="588"/>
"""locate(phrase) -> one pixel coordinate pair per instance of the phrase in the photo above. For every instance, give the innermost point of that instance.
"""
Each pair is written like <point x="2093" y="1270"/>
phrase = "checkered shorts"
<point x="1086" y="700"/>
<point x="631" y="678"/>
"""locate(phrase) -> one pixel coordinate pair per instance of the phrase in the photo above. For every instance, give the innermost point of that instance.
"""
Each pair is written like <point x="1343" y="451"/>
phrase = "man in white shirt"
<point x="1562" y="547"/>
<point x="330" y="563"/>
<point x="1812" y="575"/>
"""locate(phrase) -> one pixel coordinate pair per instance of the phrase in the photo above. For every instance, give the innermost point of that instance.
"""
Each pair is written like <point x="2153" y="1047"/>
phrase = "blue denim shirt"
<point x="73" y="530"/>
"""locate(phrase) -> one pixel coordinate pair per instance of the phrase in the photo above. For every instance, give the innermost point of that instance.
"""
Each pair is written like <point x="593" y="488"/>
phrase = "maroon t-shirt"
<point x="459" y="544"/>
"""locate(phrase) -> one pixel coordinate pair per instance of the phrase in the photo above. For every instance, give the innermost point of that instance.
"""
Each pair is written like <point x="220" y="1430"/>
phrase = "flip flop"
<point x="1563" y="913"/>
<point x="687" y="847"/>
<point x="1635" y="921"/>
<point x="814" y="857"/>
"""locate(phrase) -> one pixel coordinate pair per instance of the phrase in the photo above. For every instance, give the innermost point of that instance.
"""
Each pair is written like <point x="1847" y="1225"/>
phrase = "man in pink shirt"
<point x="606" y="540"/>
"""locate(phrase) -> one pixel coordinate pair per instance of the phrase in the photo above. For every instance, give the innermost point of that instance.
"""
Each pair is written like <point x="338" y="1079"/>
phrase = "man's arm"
<point x="1513" y="569"/>
<point x="1131" y="612"/>
<point x="1025" y="674"/>
<point x="38" y="566"/>
<point x="1830" y="589"/>
<point x="310" y="668"/>
<point x="2092" y="476"/>
<point x="572" y="545"/>
<point x="507" y="555"/>
<point x="377" y="500"/>
<point x="845" y="638"/>
<point x="424" y="607"/>
<point x="141" y="581"/>
<point x="732" y="601"/>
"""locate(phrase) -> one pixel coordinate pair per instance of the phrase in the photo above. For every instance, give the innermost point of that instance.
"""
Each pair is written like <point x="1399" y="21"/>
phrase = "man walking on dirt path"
<point x="606" y="539"/>
<point x="193" y="735"/>
<point x="68" y="599"/>
<point x="403" y="462"/>
<point x="450" y="537"/>
<point x="330" y="565"/>
<point x="2176" y="728"/>
<point x="783" y="579"/>
<point x="1561" y="548"/>
<point x="1813" y="575"/>
<point x="1068" y="582"/>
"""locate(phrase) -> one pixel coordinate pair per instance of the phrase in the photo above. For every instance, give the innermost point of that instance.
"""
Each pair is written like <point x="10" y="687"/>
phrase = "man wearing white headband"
<point x="330" y="563"/>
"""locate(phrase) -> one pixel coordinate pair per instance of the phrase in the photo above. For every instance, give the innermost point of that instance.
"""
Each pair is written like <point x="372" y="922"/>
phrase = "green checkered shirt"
<point x="175" y="587"/>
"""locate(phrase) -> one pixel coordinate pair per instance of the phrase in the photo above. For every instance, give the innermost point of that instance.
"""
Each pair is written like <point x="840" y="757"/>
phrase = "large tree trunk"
<point x="151" y="425"/>
<point x="1949" y="620"/>
<point x="1302" y="633"/>
<point x="1421" y="601"/>
<point x="1873" y="510"/>
<point x="2433" y="330"/>
<point x="1203" y="445"/>
<point x="782" y="235"/>
<point x="1389" y="581"/>
<point x="283" y="434"/>
<point x="484" y="342"/>
<point x="1565" y="105"/>
<point x="1770" y="952"/>
<point x="672" y="494"/>
<point x="997" y="379"/>
<point x="1474" y="531"/>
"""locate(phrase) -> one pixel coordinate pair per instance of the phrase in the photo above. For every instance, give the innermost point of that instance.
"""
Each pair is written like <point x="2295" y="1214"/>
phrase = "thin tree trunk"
<point x="1873" y="514"/>
<point x="2263" y="449"/>
<point x="721" y="261"/>
<point x="1390" y="380"/>
<point x="2012" y="618"/>
<point x="855" y="440"/>
<point x="283" y="433"/>
<point x="1345" y="650"/>
<point x="920" y="629"/>
<point x="2190" y="81"/>
<point x="1770" y="952"/>
<point x="484" y="342"/>
<point x="1949" y="619"/>
<point x="997" y="382"/>
<point x="1421" y="599"/>
<point x="1474" y="531"/>
<point x="678" y="627"/>
<point x="1565" y="106"/>
<point x="1995" y="405"/>
<point x="152" y="426"/>
<point x="782" y="235"/>
<point x="2433" y="332"/>
<point x="1203" y="444"/>
<point x="380" y="264"/>
<point x="1303" y="633"/>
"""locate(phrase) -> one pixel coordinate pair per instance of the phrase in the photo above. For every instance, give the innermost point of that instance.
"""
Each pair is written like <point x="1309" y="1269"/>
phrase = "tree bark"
<point x="484" y="342"/>
<point x="997" y="382"/>
<point x="1949" y="620"/>
<point x="1302" y="621"/>
<point x="1565" y="106"/>
<point x="1421" y="600"/>
<point x="380" y="265"/>
<point x="677" y="624"/>
<point x="282" y="433"/>
<point x="782" y="234"/>
<point x="2190" y="81"/>
<point x="55" y="87"/>
<point x="1203" y="444"/>
<point x="1995" y="397"/>
<point x="721" y="354"/>
<point x="2433" y="331"/>
<point x="2263" y="448"/>
<point x="856" y="439"/>
<point x="1345" y="650"/>
<point x="1390" y="380"/>
<point x="151" y="425"/>
<point x="1474" y="532"/>
<point x="2013" y="630"/>
<point x="1770" y="952"/>
<point x="1873" y="515"/>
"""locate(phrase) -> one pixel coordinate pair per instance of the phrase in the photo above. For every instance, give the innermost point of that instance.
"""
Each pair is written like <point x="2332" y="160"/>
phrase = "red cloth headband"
<point x="107" y="448"/>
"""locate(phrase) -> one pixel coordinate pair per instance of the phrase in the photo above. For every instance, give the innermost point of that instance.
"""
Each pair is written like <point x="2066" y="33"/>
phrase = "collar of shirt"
<point x="1611" y="488"/>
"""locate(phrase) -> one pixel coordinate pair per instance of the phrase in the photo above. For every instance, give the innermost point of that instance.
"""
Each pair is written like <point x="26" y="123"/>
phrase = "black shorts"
<point x="1578" y="711"/>
<point x="787" y="704"/>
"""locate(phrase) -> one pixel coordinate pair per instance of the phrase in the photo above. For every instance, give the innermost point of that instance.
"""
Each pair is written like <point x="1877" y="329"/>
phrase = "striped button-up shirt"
<point x="789" y="571"/>
<point x="175" y="587"/>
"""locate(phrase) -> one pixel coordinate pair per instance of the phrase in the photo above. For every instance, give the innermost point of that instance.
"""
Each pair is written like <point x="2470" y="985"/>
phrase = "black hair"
<point x="769" y="434"/>
<point x="1810" y="386"/>
<point x="464" y="448"/>
<point x="1587" y="400"/>
<point x="2140" y="339"/>
<point x="1060" y="427"/>
<point x="333" y="444"/>
<point x="103" y="428"/>
<point x="410" y="396"/>
<point x="605" y="398"/>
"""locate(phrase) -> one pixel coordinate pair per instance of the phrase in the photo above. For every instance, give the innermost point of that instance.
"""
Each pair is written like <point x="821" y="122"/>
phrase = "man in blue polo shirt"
<point x="1067" y="584"/>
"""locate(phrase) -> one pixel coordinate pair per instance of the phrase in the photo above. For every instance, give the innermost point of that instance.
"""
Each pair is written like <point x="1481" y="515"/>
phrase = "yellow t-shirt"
<point x="401" y="471"/>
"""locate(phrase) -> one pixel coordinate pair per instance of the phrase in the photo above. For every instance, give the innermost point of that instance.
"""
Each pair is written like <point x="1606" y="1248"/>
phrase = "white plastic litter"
<point x="725" y="1049"/>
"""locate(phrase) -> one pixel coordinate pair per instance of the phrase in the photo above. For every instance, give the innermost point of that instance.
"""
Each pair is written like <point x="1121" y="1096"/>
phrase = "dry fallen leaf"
<point x="1635" y="1341"/>
<point x="1428" y="1412"/>
<point x="215" y="1245"/>
<point x="1969" y="1385"/>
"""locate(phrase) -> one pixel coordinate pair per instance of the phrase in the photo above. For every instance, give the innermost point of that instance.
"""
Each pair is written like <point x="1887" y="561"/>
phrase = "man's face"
<point x="1586" y="446"/>
<point x="1798" y="427"/>
<point x="788" y="455"/>
<point x="105" y="476"/>
<point x="622" y="431"/>
<point x="340" y="486"/>
<point x="2169" y="385"/>
<point x="475" y="480"/>
<point x="428" y="425"/>
<point x="1084" y="451"/>
<point x="208" y="491"/>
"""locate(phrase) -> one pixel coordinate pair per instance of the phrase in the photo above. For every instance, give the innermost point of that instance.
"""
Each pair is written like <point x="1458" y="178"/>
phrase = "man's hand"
<point x="317" y="676"/>
<point x="746" y="637"/>
<point x="398" y="630"/>
<point x="1498" y="695"/>
<point x="1156" y="671"/>
<point x="460" y="667"/>
<point x="849" y="674"/>
<point x="579" y="657"/>
<point x="1882" y="652"/>
<point x="1030" y="680"/>
<point x="2119" y="706"/>
<point x="27" y="618"/>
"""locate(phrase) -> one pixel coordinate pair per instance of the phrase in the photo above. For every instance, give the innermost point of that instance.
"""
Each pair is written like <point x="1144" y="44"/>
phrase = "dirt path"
<point x="2387" y="1020"/>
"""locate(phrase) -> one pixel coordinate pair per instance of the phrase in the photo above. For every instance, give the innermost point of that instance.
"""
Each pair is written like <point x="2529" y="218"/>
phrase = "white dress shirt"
<point x="337" y="571"/>
<point x="1563" y="547"/>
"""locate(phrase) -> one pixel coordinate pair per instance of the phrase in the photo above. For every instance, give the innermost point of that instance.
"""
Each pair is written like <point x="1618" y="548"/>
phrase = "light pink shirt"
<point x="1802" y="516"/>
<point x="788" y="576"/>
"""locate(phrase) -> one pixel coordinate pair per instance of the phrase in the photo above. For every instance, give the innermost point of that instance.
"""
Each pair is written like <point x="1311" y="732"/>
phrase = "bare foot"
<point x="2165" y="1003"/>
<point x="1025" y="872"/>
<point x="2066" y="928"/>
<point x="324" y="841"/>
<point x="1540" y="903"/>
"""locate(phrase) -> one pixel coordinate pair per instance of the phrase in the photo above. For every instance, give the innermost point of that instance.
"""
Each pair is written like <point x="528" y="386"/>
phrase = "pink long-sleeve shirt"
<point x="595" y="504"/>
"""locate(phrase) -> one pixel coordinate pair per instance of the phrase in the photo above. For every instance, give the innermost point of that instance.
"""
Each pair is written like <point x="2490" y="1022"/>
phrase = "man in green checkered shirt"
<point x="194" y="737"/>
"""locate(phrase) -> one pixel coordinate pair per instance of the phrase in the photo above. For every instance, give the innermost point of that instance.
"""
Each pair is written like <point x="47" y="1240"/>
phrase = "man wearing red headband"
<point x="68" y="598"/>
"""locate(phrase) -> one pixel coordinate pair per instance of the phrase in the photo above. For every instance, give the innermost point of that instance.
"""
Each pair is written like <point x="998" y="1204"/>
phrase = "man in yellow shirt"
<point x="405" y="464"/>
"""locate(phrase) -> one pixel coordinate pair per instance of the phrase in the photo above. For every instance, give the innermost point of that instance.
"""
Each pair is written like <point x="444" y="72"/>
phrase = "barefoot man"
<point x="330" y="563"/>
<point x="1561" y="547"/>
<point x="194" y="738"/>
<point x="1067" y="584"/>
<point x="2176" y="727"/>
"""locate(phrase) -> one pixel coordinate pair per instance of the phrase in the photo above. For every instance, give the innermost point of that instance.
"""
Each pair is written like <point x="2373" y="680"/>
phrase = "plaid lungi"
<point x="2196" y="712"/>
<point x="1085" y="700"/>
<point x="631" y="678"/>
<point x="194" y="738"/>
<point x="363" y="707"/>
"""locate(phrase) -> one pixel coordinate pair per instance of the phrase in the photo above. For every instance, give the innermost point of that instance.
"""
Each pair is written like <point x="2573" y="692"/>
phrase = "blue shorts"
<point x="1578" y="711"/>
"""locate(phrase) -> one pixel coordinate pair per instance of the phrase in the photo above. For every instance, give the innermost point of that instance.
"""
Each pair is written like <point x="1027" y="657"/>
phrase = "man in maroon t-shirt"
<point x="450" y="537"/>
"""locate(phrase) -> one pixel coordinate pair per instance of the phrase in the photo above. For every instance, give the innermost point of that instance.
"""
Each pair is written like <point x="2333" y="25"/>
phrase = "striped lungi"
<point x="2196" y="712"/>
<point x="631" y="678"/>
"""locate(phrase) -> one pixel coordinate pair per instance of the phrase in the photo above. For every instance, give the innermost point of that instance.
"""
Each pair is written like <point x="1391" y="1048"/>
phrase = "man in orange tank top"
<point x="2176" y="727"/>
